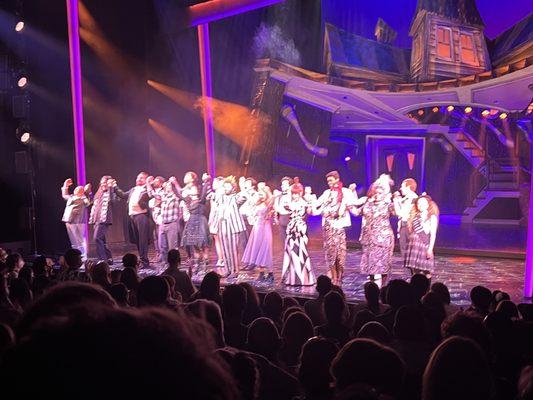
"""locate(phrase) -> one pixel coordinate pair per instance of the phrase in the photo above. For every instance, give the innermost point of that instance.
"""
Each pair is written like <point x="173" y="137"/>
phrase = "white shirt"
<point x="133" y="205"/>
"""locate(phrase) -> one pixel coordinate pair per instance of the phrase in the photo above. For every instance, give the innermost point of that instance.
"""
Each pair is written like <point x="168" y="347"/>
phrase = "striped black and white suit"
<point x="231" y="225"/>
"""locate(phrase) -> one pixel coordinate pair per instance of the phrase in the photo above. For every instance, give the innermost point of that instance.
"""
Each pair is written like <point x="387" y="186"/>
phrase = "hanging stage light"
<point x="503" y="115"/>
<point x="435" y="109"/>
<point x="468" y="110"/>
<point x="485" y="113"/>
<point x="450" y="108"/>
<point x="22" y="82"/>
<point x="25" y="137"/>
<point x="19" y="26"/>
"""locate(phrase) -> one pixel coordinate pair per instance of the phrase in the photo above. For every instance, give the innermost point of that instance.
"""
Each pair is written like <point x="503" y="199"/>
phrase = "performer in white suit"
<point x="231" y="225"/>
<point x="75" y="214"/>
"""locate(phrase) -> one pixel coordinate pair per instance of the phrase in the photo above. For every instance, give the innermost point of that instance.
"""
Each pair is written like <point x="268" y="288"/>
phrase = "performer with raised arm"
<point x="196" y="238"/>
<point x="75" y="214"/>
<point x="154" y="204"/>
<point x="422" y="227"/>
<point x="231" y="224"/>
<point x="296" y="269"/>
<point x="403" y="203"/>
<point x="377" y="236"/>
<point x="281" y="199"/>
<point x="169" y="229"/>
<point x="101" y="217"/>
<point x="333" y="206"/>
<point x="214" y="200"/>
<point x="138" y="211"/>
<point x="258" y="250"/>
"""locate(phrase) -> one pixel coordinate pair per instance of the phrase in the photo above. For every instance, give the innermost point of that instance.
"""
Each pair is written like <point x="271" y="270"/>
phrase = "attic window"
<point x="444" y="43"/>
<point x="468" y="51"/>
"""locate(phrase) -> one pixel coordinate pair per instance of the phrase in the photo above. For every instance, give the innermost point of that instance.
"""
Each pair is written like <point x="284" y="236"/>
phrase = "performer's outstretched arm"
<point x="64" y="189"/>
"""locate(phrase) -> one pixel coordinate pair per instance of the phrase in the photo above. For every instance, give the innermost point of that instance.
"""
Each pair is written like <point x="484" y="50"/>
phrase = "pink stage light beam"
<point x="528" y="274"/>
<point x="207" y="93"/>
<point x="77" y="95"/>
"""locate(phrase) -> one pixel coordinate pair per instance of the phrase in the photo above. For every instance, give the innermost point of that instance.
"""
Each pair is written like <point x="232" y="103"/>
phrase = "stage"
<point x="459" y="272"/>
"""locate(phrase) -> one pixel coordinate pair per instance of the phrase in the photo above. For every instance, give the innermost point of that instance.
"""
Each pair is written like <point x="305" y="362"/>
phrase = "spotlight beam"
<point x="77" y="95"/>
<point x="207" y="94"/>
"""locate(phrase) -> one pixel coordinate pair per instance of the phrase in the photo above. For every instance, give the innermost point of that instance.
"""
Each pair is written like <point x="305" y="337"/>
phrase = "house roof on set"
<point x="516" y="39"/>
<point x="357" y="51"/>
<point x="464" y="11"/>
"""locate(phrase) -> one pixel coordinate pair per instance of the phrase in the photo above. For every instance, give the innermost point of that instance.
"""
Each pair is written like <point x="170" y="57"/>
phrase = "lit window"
<point x="468" y="52"/>
<point x="444" y="43"/>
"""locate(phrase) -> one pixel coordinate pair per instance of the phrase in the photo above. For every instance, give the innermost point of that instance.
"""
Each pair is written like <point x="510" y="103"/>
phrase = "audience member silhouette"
<point x="315" y="308"/>
<point x="209" y="288"/>
<point x="252" y="310"/>
<point x="273" y="308"/>
<point x="183" y="281"/>
<point x="481" y="298"/>
<point x="297" y="329"/>
<point x="375" y="331"/>
<point x="119" y="292"/>
<point x="365" y="361"/>
<point x="209" y="312"/>
<point x="233" y="305"/>
<point x="457" y="370"/>
<point x="335" y="327"/>
<point x="314" y="368"/>
<point x="263" y="338"/>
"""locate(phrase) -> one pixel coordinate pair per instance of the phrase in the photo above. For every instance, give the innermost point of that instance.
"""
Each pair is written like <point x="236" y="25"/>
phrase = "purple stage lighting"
<point x="205" y="73"/>
<point x="77" y="95"/>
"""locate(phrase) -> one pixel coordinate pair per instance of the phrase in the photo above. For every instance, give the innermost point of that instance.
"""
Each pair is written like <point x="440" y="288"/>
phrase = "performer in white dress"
<point x="258" y="252"/>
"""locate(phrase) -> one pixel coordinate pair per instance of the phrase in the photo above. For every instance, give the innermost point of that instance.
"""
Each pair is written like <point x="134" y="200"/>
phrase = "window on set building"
<point x="444" y="43"/>
<point x="468" y="51"/>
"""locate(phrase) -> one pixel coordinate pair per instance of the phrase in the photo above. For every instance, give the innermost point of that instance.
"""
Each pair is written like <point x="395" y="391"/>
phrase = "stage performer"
<point x="101" y="217"/>
<point x="422" y="226"/>
<point x="296" y="269"/>
<point x="139" y="218"/>
<point x="214" y="200"/>
<point x="332" y="205"/>
<point x="377" y="236"/>
<point x="249" y="190"/>
<point x="403" y="203"/>
<point x="231" y="224"/>
<point x="169" y="218"/>
<point x="258" y="250"/>
<point x="195" y="238"/>
<point x="281" y="199"/>
<point x="155" y="194"/>
<point x="75" y="214"/>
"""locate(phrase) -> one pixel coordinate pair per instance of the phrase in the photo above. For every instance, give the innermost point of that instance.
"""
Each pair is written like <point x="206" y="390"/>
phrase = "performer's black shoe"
<point x="261" y="277"/>
<point x="270" y="278"/>
<point x="110" y="262"/>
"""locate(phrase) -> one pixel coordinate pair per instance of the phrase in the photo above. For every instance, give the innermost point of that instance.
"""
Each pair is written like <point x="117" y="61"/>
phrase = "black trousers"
<point x="404" y="238"/>
<point x="141" y="231"/>
<point x="102" y="250"/>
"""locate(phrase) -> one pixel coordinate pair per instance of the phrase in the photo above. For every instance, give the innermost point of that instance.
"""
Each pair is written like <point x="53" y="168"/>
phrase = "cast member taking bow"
<point x="75" y="214"/>
<point x="377" y="236"/>
<point x="297" y="269"/>
<point x="333" y="206"/>
<point x="258" y="251"/>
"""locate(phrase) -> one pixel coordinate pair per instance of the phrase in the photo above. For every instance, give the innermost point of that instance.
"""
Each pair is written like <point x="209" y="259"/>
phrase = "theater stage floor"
<point x="459" y="272"/>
